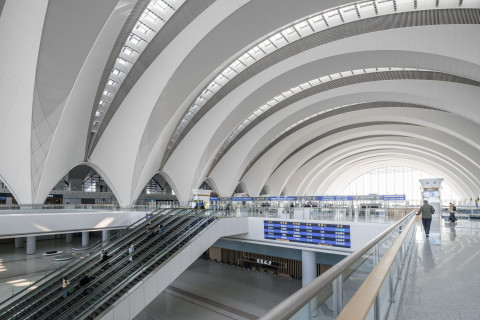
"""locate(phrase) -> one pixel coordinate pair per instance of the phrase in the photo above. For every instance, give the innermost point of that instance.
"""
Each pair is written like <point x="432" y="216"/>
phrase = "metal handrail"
<point x="91" y="261"/>
<point x="147" y="265"/>
<point x="295" y="302"/>
<point x="73" y="264"/>
<point x="120" y="274"/>
<point x="65" y="266"/>
<point x="372" y="285"/>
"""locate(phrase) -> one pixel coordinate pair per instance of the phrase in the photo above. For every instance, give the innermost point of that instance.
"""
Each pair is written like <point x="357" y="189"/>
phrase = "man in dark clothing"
<point x="426" y="211"/>
<point x="105" y="258"/>
<point x="85" y="280"/>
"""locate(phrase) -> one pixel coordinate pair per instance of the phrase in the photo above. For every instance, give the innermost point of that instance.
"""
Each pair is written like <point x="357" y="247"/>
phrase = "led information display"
<point x="336" y="235"/>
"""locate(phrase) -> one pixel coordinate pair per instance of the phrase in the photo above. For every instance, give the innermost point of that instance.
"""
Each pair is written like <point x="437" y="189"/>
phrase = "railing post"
<point x="390" y="285"/>
<point x="376" y="303"/>
<point x="337" y="296"/>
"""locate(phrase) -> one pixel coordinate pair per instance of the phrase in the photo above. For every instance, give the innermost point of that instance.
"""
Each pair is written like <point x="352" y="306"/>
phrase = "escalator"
<point x="49" y="289"/>
<point x="90" y="301"/>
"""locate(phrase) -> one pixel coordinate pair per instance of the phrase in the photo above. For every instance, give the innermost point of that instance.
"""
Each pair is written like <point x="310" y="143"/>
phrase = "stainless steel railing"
<point x="327" y="294"/>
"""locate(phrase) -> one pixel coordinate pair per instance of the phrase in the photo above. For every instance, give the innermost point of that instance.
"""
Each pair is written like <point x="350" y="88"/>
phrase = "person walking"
<point x="452" y="210"/>
<point x="426" y="211"/>
<point x="130" y="252"/>
<point x="65" y="284"/>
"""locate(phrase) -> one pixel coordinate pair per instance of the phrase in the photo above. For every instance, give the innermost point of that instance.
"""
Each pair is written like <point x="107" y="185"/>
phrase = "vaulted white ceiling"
<point x="297" y="95"/>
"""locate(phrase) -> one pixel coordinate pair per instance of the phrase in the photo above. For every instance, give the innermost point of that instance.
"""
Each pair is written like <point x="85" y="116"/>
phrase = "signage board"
<point x="335" y="235"/>
<point x="292" y="198"/>
<point x="394" y="197"/>
<point x="242" y="198"/>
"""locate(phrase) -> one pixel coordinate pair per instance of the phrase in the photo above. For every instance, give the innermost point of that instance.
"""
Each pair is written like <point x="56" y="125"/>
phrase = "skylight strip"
<point x="312" y="83"/>
<point x="327" y="19"/>
<point x="144" y="30"/>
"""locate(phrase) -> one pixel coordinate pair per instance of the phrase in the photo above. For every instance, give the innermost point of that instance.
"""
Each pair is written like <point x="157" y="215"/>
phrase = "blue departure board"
<point x="336" y="235"/>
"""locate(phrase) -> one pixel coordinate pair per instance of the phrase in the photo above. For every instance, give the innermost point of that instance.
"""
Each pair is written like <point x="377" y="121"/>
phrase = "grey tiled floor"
<point x="445" y="282"/>
<point x="18" y="270"/>
<point x="208" y="290"/>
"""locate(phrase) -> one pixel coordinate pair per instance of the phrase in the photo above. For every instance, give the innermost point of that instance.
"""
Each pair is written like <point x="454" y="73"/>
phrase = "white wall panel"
<point x="117" y="149"/>
<point x="52" y="223"/>
<point x="176" y="265"/>
<point x="416" y="53"/>
<point x="69" y="141"/>
<point x="20" y="31"/>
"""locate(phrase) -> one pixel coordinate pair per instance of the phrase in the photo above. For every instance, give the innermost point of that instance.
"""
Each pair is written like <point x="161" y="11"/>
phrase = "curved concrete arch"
<point x="345" y="81"/>
<point x="197" y="140"/>
<point x="8" y="187"/>
<point x="375" y="162"/>
<point x="310" y="105"/>
<point x="218" y="136"/>
<point x="346" y="178"/>
<point x="212" y="183"/>
<point x="73" y="120"/>
<point x="458" y="144"/>
<point x="266" y="188"/>
<point x="169" y="181"/>
<point x="150" y="104"/>
<point x="46" y="124"/>
<point x="261" y="170"/>
<point x="322" y="186"/>
<point x="18" y="75"/>
<point x="342" y="31"/>
<point x="261" y="93"/>
<point x="160" y="96"/>
<point x="184" y="15"/>
<point x="452" y="108"/>
<point x="42" y="196"/>
<point x="242" y="186"/>
<point x="313" y="166"/>
<point x="460" y="177"/>
<point x="321" y="163"/>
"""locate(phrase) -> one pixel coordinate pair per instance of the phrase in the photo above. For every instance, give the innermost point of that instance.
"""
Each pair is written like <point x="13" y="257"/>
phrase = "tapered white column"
<point x="85" y="238"/>
<point x="309" y="273"/>
<point x="31" y="245"/>
<point x="19" y="242"/>
<point x="105" y="236"/>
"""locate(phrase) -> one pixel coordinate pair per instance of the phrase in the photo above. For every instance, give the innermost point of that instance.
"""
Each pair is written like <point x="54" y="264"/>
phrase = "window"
<point x="134" y="39"/>
<point x="122" y="61"/>
<point x="150" y="16"/>
<point x="159" y="5"/>
<point x="141" y="27"/>
<point x="127" y="50"/>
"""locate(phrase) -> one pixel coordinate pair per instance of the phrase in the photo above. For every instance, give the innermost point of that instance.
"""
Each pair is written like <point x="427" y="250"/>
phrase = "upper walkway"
<point x="445" y="279"/>
<point x="16" y="221"/>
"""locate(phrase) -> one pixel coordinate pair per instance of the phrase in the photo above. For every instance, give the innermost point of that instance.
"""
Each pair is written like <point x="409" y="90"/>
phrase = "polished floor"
<point x="18" y="270"/>
<point x="208" y="290"/>
<point x="445" y="279"/>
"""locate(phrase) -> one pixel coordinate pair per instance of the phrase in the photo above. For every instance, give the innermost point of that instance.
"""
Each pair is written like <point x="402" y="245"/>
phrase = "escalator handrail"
<point x="142" y="268"/>
<point x="85" y="265"/>
<point x="129" y="267"/>
<point x="46" y="276"/>
<point x="70" y="267"/>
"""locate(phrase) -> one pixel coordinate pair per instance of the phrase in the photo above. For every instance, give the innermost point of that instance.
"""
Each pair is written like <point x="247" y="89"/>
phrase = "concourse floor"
<point x="445" y="278"/>
<point x="18" y="270"/>
<point x="208" y="290"/>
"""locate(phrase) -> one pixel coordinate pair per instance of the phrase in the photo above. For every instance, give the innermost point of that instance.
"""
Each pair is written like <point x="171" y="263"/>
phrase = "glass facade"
<point x="397" y="180"/>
